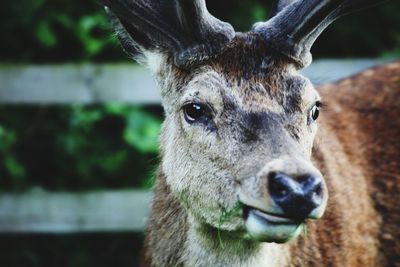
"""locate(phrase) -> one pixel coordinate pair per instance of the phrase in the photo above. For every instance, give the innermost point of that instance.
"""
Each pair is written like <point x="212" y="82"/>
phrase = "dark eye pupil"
<point x="194" y="112"/>
<point x="315" y="113"/>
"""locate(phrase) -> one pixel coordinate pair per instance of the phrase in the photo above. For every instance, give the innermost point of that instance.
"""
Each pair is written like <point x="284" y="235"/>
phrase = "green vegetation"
<point x="78" y="147"/>
<point x="226" y="216"/>
<point x="55" y="31"/>
<point x="74" y="250"/>
<point x="61" y="30"/>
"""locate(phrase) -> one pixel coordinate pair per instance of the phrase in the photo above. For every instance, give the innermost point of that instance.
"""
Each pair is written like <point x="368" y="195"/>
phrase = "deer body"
<point x="243" y="172"/>
<point x="359" y="136"/>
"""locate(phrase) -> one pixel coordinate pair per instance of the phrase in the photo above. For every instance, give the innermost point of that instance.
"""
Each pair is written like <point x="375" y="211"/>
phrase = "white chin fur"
<point x="262" y="230"/>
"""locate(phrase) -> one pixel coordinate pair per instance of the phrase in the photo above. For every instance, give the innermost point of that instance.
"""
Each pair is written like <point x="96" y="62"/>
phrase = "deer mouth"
<point x="267" y="227"/>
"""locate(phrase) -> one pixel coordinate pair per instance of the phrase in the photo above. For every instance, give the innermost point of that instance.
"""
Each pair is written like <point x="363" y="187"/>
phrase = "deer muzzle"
<point x="281" y="197"/>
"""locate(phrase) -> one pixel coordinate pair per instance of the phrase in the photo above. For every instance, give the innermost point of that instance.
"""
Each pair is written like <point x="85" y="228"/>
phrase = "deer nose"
<point x="296" y="197"/>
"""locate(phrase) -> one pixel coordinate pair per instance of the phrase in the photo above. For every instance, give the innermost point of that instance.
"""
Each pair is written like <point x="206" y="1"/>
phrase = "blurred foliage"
<point x="62" y="30"/>
<point x="73" y="250"/>
<point x="79" y="147"/>
<point x="57" y="30"/>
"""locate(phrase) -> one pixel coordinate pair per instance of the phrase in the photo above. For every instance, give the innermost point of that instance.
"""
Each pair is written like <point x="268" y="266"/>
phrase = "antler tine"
<point x="278" y="6"/>
<point x="184" y="28"/>
<point x="209" y="34"/>
<point x="294" y="29"/>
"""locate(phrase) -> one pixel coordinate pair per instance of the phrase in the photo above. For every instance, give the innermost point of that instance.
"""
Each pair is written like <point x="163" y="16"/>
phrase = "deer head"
<point x="240" y="120"/>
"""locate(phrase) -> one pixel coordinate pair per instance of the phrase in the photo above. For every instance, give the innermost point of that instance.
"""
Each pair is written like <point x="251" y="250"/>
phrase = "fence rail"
<point x="42" y="212"/>
<point x="128" y="83"/>
<point x="85" y="84"/>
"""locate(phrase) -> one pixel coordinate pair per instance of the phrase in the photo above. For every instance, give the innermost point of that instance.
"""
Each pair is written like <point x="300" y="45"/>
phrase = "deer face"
<point x="236" y="151"/>
<point x="240" y="121"/>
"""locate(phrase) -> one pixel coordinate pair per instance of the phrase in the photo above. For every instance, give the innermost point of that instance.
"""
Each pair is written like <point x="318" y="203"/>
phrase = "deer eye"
<point x="314" y="112"/>
<point x="195" y="112"/>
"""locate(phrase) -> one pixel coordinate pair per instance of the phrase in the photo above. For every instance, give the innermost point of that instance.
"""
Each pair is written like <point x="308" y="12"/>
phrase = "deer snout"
<point x="286" y="187"/>
<point x="297" y="198"/>
<point x="278" y="200"/>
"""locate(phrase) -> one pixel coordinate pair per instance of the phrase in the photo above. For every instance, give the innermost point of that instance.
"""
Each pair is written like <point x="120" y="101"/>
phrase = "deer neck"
<point x="204" y="249"/>
<point x="175" y="238"/>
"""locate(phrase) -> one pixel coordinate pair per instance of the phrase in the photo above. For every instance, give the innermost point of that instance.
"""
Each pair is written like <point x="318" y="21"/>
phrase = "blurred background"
<point x="79" y="124"/>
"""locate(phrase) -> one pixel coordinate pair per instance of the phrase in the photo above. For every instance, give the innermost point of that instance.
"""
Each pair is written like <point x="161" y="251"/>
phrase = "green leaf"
<point x="86" y="26"/>
<point x="259" y="13"/>
<point x="85" y="116"/>
<point x="7" y="139"/>
<point x="14" y="168"/>
<point x="116" y="108"/>
<point x="113" y="161"/>
<point x="142" y="131"/>
<point x="149" y="182"/>
<point x="45" y="35"/>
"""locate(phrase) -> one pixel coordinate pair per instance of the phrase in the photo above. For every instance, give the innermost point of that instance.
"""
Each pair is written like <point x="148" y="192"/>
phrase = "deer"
<point x="244" y="176"/>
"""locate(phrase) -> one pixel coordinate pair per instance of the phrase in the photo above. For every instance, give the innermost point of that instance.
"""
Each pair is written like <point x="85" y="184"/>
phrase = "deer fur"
<point x="214" y="202"/>
<point x="357" y="150"/>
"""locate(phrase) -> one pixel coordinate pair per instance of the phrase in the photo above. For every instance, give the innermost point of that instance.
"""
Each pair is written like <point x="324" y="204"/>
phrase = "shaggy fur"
<point x="357" y="150"/>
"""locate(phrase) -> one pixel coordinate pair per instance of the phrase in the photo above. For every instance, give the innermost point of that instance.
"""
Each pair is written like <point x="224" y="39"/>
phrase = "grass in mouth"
<point x="226" y="215"/>
<point x="305" y="231"/>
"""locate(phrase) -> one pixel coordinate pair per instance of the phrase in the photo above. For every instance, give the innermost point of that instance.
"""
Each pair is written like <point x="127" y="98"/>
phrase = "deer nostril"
<point x="278" y="185"/>
<point x="297" y="197"/>
<point x="318" y="190"/>
<point x="312" y="186"/>
<point x="278" y="189"/>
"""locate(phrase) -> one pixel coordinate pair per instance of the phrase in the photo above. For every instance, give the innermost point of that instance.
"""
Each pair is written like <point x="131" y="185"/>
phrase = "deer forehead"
<point x="286" y="93"/>
<point x="243" y="74"/>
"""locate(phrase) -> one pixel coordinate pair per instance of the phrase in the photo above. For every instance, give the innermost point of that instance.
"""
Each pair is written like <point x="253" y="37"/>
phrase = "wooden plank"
<point x="43" y="212"/>
<point x="86" y="84"/>
<point x="125" y="83"/>
<point x="329" y="70"/>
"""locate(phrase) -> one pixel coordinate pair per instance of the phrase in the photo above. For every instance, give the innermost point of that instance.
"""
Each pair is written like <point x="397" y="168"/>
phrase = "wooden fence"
<point x="43" y="212"/>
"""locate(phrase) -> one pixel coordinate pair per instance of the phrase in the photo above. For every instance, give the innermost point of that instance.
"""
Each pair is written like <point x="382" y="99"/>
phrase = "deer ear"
<point x="182" y="29"/>
<point x="136" y="45"/>
<point x="134" y="49"/>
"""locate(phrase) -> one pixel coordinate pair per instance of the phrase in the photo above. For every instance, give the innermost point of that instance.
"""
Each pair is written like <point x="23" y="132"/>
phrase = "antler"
<point x="278" y="6"/>
<point x="297" y="24"/>
<point x="182" y="27"/>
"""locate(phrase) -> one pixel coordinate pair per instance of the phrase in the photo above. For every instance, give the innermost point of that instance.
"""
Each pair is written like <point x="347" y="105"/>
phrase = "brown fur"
<point x="357" y="150"/>
<point x="364" y="115"/>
